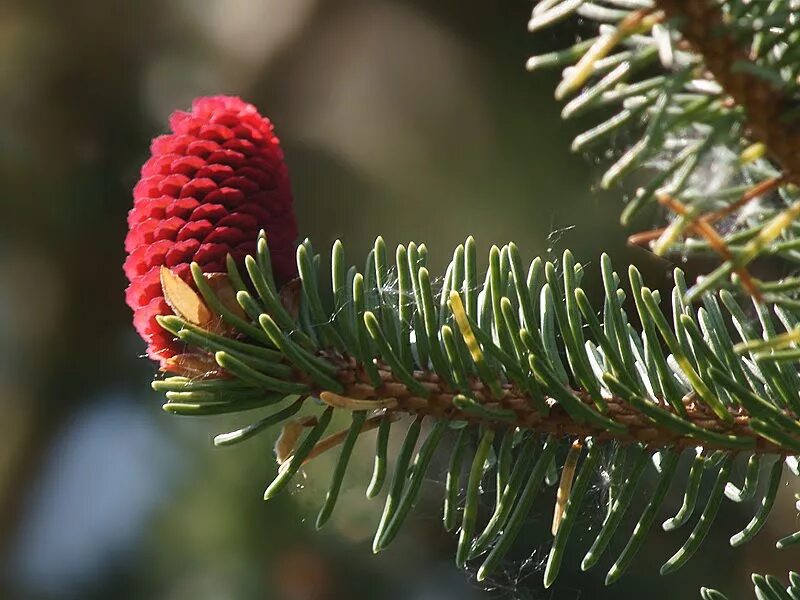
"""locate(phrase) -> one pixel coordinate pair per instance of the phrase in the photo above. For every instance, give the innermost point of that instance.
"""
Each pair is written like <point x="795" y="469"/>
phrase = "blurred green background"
<point x="413" y="119"/>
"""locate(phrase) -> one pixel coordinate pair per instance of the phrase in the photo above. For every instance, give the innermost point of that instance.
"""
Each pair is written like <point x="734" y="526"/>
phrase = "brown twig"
<point x="337" y="438"/>
<point x="701" y="23"/>
<point x="759" y="189"/>
<point x="640" y="429"/>
<point x="714" y="240"/>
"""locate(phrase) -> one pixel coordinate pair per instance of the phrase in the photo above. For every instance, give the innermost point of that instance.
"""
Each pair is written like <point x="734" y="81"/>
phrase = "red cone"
<point x="206" y="191"/>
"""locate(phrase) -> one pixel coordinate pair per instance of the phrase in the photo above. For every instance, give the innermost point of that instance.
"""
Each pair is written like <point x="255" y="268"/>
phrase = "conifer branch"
<point x="515" y="408"/>
<point x="763" y="98"/>
<point x="726" y="95"/>
<point x="522" y="364"/>
<point x="523" y="358"/>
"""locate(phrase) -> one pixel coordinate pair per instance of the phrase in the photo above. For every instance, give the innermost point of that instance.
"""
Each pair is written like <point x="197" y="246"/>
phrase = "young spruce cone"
<point x="206" y="191"/>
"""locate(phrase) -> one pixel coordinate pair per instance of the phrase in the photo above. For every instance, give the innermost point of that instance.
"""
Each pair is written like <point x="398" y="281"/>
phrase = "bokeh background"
<point x="413" y="119"/>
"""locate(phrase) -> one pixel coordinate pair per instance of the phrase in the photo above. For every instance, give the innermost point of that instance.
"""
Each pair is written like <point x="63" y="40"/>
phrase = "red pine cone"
<point x="206" y="191"/>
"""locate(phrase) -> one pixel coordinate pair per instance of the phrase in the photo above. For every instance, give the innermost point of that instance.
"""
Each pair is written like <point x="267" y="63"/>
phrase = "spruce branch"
<point x="514" y="408"/>
<point x="523" y="358"/>
<point x="744" y="76"/>
<point x="535" y="381"/>
<point x="725" y="96"/>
